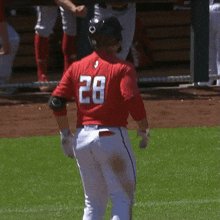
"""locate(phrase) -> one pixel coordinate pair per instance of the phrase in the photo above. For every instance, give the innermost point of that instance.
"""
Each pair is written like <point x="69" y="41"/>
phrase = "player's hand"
<point x="67" y="142"/>
<point x="81" y="11"/>
<point x="5" y="49"/>
<point x="145" y="138"/>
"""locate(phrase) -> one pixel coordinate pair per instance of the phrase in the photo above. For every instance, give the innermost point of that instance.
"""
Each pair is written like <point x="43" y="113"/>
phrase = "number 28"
<point x="98" y="89"/>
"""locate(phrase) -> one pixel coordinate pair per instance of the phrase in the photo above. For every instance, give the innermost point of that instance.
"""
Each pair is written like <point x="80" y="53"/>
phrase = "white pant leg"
<point x="110" y="151"/>
<point x="94" y="155"/>
<point x="6" y="61"/>
<point x="218" y="61"/>
<point x="127" y="19"/>
<point x="46" y="18"/>
<point x="68" y="21"/>
<point x="212" y="46"/>
<point x="214" y="39"/>
<point x="95" y="190"/>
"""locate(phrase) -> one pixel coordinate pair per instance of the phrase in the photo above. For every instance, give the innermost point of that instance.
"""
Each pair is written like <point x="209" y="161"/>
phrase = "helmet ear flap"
<point x="92" y="42"/>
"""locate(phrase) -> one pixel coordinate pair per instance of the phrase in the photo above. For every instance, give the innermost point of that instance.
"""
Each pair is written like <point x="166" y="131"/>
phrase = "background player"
<point x="106" y="91"/>
<point x="214" y="40"/>
<point x="46" y="18"/>
<point x="9" y="41"/>
<point x="126" y="14"/>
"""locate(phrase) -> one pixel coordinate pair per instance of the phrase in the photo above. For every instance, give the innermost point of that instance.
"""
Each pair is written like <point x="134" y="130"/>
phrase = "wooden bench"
<point x="168" y="31"/>
<point x="24" y="24"/>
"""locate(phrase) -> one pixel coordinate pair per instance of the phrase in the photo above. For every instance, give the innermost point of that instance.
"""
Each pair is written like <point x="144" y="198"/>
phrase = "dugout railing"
<point x="168" y="31"/>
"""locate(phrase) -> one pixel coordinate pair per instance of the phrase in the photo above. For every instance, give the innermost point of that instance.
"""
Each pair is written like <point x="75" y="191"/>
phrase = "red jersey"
<point x="101" y="84"/>
<point x="2" y="10"/>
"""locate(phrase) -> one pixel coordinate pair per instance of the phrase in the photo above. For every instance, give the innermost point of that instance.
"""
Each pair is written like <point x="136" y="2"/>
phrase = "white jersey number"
<point x="98" y="89"/>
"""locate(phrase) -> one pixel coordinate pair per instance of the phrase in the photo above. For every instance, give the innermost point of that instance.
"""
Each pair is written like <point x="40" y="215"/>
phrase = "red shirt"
<point x="2" y="10"/>
<point x="101" y="86"/>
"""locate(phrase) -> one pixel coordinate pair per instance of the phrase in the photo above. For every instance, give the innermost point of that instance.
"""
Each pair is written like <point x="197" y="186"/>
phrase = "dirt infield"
<point x="24" y="115"/>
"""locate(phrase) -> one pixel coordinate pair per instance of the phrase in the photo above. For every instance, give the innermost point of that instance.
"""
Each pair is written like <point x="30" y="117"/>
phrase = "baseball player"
<point x="140" y="52"/>
<point x="214" y="40"/>
<point x="9" y="41"/>
<point x="126" y="14"/>
<point x="46" y="18"/>
<point x="106" y="91"/>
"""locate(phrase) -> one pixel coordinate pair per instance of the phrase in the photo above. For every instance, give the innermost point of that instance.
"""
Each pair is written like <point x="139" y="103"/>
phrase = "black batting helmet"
<point x="109" y="26"/>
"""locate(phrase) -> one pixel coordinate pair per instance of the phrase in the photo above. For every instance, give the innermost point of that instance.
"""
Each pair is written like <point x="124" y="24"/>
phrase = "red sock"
<point x="41" y="55"/>
<point x="69" y="50"/>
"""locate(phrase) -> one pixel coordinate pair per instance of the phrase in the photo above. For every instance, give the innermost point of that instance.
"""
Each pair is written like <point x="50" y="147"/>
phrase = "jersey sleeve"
<point x="130" y="92"/>
<point x="2" y="11"/>
<point x="128" y="85"/>
<point x="136" y="107"/>
<point x="65" y="89"/>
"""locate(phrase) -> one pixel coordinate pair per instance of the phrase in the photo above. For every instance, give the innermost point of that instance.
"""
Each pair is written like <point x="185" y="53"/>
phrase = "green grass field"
<point x="178" y="178"/>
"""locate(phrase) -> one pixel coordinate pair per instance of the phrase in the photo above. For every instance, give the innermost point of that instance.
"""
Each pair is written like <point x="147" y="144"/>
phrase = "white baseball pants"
<point x="46" y="18"/>
<point x="127" y="19"/>
<point x="6" y="61"/>
<point x="214" y="40"/>
<point x="108" y="169"/>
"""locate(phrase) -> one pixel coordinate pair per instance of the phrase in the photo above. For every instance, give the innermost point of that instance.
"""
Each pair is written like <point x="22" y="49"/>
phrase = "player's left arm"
<point x="138" y="113"/>
<point x="57" y="103"/>
<point x="61" y="95"/>
<point x="135" y="104"/>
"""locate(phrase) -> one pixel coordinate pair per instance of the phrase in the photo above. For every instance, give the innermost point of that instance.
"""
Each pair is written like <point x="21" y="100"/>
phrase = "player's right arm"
<point x="5" y="49"/>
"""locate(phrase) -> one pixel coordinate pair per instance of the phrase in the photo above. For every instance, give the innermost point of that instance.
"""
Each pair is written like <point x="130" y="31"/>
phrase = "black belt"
<point x="104" y="5"/>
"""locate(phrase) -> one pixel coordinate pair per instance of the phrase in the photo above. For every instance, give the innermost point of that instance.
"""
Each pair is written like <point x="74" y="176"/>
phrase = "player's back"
<point x="98" y="90"/>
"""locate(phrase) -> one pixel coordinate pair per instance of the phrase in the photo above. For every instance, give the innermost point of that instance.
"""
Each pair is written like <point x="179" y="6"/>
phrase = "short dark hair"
<point x="98" y="40"/>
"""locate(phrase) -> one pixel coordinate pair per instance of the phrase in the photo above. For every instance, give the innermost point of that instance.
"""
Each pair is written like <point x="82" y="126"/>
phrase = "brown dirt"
<point x="25" y="115"/>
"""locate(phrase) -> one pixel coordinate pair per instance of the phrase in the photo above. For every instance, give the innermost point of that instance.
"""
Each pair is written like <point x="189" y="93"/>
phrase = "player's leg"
<point x="212" y="43"/>
<point x="218" y="62"/>
<point x="46" y="18"/>
<point x="95" y="189"/>
<point x="119" y="169"/>
<point x="69" y="42"/>
<point x="212" y="47"/>
<point x="218" y="47"/>
<point x="6" y="61"/>
<point x="127" y="20"/>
